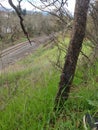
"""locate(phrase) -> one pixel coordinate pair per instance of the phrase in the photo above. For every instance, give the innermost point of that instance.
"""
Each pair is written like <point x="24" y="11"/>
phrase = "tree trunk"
<point x="80" y="17"/>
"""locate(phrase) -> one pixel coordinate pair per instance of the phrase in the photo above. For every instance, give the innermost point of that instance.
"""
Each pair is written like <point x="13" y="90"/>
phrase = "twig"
<point x="85" y="56"/>
<point x="4" y="7"/>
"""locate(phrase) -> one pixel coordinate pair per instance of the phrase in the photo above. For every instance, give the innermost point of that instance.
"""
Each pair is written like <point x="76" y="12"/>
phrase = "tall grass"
<point x="27" y="95"/>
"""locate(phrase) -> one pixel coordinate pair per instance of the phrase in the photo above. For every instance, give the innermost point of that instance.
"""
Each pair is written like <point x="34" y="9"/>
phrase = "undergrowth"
<point x="27" y="95"/>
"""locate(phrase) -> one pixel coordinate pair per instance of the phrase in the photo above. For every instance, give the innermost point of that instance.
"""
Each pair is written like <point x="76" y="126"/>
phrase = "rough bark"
<point x="75" y="45"/>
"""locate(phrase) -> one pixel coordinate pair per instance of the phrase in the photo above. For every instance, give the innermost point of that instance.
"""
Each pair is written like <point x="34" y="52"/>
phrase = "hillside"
<point x="28" y="89"/>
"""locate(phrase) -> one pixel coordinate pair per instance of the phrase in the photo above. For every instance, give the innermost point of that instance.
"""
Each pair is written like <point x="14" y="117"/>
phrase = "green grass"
<point x="27" y="95"/>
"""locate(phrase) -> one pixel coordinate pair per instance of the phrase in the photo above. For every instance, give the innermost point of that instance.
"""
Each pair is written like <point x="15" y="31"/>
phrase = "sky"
<point x="26" y="5"/>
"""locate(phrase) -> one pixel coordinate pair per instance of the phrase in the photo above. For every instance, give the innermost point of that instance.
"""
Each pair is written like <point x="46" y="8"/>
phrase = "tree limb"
<point x="21" y="19"/>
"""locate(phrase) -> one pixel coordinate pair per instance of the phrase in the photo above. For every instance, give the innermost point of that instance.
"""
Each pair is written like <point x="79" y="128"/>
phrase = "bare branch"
<point x="20" y="17"/>
<point x="59" y="9"/>
<point x="4" y="7"/>
<point x="85" y="56"/>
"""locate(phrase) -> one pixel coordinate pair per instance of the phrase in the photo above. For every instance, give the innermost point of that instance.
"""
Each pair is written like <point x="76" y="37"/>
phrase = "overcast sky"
<point x="71" y="4"/>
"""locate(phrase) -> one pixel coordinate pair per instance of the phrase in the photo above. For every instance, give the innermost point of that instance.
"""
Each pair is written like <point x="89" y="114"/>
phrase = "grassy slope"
<point x="27" y="95"/>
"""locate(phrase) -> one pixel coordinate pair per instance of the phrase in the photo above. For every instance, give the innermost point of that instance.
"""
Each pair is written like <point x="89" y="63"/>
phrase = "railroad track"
<point x="16" y="52"/>
<point x="10" y="49"/>
<point x="23" y="44"/>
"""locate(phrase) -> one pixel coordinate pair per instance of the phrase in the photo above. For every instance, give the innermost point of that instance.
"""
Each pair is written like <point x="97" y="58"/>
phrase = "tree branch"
<point x="21" y="19"/>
